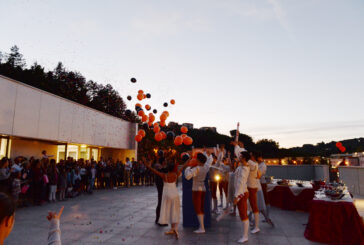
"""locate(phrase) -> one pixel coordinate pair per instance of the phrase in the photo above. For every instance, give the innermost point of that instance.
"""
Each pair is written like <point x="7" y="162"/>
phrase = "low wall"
<point x="299" y="172"/>
<point x="353" y="177"/>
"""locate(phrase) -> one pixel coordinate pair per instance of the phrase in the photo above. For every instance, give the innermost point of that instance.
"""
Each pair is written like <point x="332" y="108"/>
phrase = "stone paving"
<point x="126" y="216"/>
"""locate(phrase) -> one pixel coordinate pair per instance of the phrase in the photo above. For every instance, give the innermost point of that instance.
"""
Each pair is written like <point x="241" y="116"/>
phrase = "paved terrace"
<point x="126" y="216"/>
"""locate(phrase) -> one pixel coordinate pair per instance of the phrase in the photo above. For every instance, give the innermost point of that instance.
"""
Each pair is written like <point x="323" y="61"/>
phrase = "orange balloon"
<point x="138" y="138"/>
<point x="141" y="133"/>
<point x="156" y="124"/>
<point x="140" y="92"/>
<point x="158" y="136"/>
<point x="147" y="107"/>
<point x="184" y="129"/>
<point x="151" y="118"/>
<point x="138" y="105"/>
<point x="183" y="136"/>
<point x="173" y="102"/>
<point x="144" y="118"/>
<point x="178" y="140"/>
<point x="163" y="134"/>
<point x="166" y="112"/>
<point x="156" y="129"/>
<point x="162" y="123"/>
<point x="140" y="97"/>
<point x="141" y="113"/>
<point x="187" y="140"/>
<point x="163" y="117"/>
<point x="150" y="123"/>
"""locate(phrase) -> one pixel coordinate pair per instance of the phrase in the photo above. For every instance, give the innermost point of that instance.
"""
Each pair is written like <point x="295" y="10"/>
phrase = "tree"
<point x="15" y="59"/>
<point x="268" y="147"/>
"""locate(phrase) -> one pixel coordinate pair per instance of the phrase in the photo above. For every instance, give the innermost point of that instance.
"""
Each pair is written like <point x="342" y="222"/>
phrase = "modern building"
<point x="213" y="129"/>
<point x="188" y="125"/>
<point x="32" y="120"/>
<point x="173" y="124"/>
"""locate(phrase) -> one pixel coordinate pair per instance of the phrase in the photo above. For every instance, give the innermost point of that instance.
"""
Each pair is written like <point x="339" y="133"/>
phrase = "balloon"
<point x="173" y="102"/>
<point x="187" y="140"/>
<point x="184" y="130"/>
<point x="148" y="96"/>
<point x="129" y="97"/>
<point x="141" y="113"/>
<point x="140" y="97"/>
<point x="128" y="113"/>
<point x="178" y="140"/>
<point x="165" y="104"/>
<point x="156" y="124"/>
<point x="145" y="126"/>
<point x="151" y="118"/>
<point x="166" y="112"/>
<point x="185" y="156"/>
<point x="342" y="149"/>
<point x="163" y="134"/>
<point x="183" y="136"/>
<point x="144" y="118"/>
<point x="170" y="135"/>
<point x="141" y="132"/>
<point x="147" y="107"/>
<point x="163" y="117"/>
<point x="150" y="124"/>
<point x="140" y="92"/>
<point x="133" y="80"/>
<point x="162" y="124"/>
<point x="155" y="111"/>
<point x="138" y="105"/>
<point x="158" y="136"/>
<point x="138" y="138"/>
<point x="339" y="144"/>
<point x="156" y="129"/>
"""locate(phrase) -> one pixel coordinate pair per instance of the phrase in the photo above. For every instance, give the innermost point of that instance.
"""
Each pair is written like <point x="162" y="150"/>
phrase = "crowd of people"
<point x="37" y="181"/>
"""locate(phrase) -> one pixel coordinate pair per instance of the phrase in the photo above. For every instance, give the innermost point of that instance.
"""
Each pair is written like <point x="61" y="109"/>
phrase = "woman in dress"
<point x="170" y="208"/>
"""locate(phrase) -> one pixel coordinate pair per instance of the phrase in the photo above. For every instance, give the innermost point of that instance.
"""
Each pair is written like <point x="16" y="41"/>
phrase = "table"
<point x="290" y="197"/>
<point x="335" y="222"/>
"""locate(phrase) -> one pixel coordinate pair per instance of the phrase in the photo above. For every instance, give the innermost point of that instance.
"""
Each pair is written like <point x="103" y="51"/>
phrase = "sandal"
<point x="171" y="232"/>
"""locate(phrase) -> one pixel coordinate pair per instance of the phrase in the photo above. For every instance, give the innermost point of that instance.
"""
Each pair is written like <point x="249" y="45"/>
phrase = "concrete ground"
<point x="126" y="216"/>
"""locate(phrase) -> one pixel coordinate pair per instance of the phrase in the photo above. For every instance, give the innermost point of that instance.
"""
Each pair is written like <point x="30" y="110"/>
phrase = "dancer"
<point x="198" y="173"/>
<point x="170" y="208"/>
<point x="241" y="193"/>
<point x="213" y="184"/>
<point x="223" y="173"/>
<point x="253" y="186"/>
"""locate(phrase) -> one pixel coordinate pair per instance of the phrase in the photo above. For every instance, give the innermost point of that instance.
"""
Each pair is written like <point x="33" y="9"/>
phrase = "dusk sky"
<point x="288" y="70"/>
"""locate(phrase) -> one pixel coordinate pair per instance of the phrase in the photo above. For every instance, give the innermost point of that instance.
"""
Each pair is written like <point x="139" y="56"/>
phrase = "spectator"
<point x="128" y="168"/>
<point x="4" y="175"/>
<point x="53" y="180"/>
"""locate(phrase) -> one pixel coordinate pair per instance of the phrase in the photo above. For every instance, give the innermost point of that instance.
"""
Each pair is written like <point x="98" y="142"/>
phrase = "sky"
<point x="288" y="70"/>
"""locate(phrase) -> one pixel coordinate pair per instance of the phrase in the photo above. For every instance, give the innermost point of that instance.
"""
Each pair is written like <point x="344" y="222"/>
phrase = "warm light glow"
<point x="83" y="146"/>
<point x="217" y="177"/>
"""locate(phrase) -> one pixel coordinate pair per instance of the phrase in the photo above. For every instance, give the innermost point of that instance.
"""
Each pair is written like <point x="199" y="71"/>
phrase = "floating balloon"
<point x="128" y="113"/>
<point x="156" y="129"/>
<point x="155" y="111"/>
<point x="144" y="118"/>
<point x="151" y="118"/>
<point x="187" y="140"/>
<point x="166" y="112"/>
<point x="173" y="102"/>
<point x="144" y="96"/>
<point x="148" y="96"/>
<point x="163" y="134"/>
<point x="158" y="136"/>
<point x="140" y="92"/>
<point x="150" y="124"/>
<point x="145" y="126"/>
<point x="141" y="113"/>
<point x="170" y="135"/>
<point x="178" y="140"/>
<point x="339" y="144"/>
<point x="129" y="97"/>
<point x="343" y="149"/>
<point x="156" y="124"/>
<point x="183" y="136"/>
<point x="184" y="129"/>
<point x="147" y="107"/>
<point x="141" y="132"/>
<point x="138" y="105"/>
<point x="163" y="117"/>
<point x="133" y="80"/>
<point x="162" y="123"/>
<point x="185" y="156"/>
<point x="138" y="138"/>
<point x="165" y="104"/>
<point x="140" y="97"/>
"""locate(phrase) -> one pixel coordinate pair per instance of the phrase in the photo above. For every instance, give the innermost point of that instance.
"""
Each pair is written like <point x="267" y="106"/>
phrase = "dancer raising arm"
<point x="198" y="174"/>
<point x="170" y="209"/>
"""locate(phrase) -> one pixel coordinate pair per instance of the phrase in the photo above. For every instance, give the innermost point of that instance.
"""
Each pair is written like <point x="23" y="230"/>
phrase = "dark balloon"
<point x="128" y="113"/>
<point x="137" y="108"/>
<point x="133" y="80"/>
<point x="129" y="97"/>
<point x="148" y="96"/>
<point x="145" y="126"/>
<point x="165" y="104"/>
<point x="155" y="111"/>
<point x="170" y="135"/>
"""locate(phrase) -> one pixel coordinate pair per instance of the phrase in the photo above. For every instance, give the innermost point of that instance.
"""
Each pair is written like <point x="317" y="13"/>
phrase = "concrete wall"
<point x="299" y="172"/>
<point x="32" y="113"/>
<point x="117" y="154"/>
<point x="28" y="148"/>
<point x="353" y="177"/>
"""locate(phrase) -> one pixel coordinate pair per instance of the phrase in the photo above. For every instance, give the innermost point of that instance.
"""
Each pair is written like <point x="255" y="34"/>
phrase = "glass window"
<point x="95" y="154"/>
<point x="61" y="152"/>
<point x="72" y="151"/>
<point x="3" y="146"/>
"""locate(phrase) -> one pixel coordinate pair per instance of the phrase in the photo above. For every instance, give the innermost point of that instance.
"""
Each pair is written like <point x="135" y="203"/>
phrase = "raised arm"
<point x="148" y="165"/>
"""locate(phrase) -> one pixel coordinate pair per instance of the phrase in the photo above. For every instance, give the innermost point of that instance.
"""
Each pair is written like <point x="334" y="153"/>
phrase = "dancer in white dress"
<point x="170" y="209"/>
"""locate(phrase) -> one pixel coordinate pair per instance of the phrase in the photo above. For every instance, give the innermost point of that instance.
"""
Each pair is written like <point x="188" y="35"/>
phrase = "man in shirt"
<point x="128" y="168"/>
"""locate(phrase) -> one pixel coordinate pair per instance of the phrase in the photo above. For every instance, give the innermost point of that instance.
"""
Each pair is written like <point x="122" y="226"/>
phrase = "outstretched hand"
<point x="54" y="215"/>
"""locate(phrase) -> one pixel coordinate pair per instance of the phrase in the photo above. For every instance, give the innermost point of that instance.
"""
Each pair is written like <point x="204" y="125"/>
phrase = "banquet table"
<point x="335" y="222"/>
<point x="291" y="197"/>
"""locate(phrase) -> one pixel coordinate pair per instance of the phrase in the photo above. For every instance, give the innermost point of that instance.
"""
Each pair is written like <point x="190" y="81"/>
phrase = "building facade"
<point x="32" y="120"/>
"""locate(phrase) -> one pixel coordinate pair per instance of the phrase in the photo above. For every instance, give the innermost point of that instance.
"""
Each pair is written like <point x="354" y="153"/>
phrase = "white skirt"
<point x="170" y="208"/>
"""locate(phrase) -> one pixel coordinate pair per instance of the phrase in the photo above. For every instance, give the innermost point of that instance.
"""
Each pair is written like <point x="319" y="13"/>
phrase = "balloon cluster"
<point x="340" y="146"/>
<point x="149" y="121"/>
